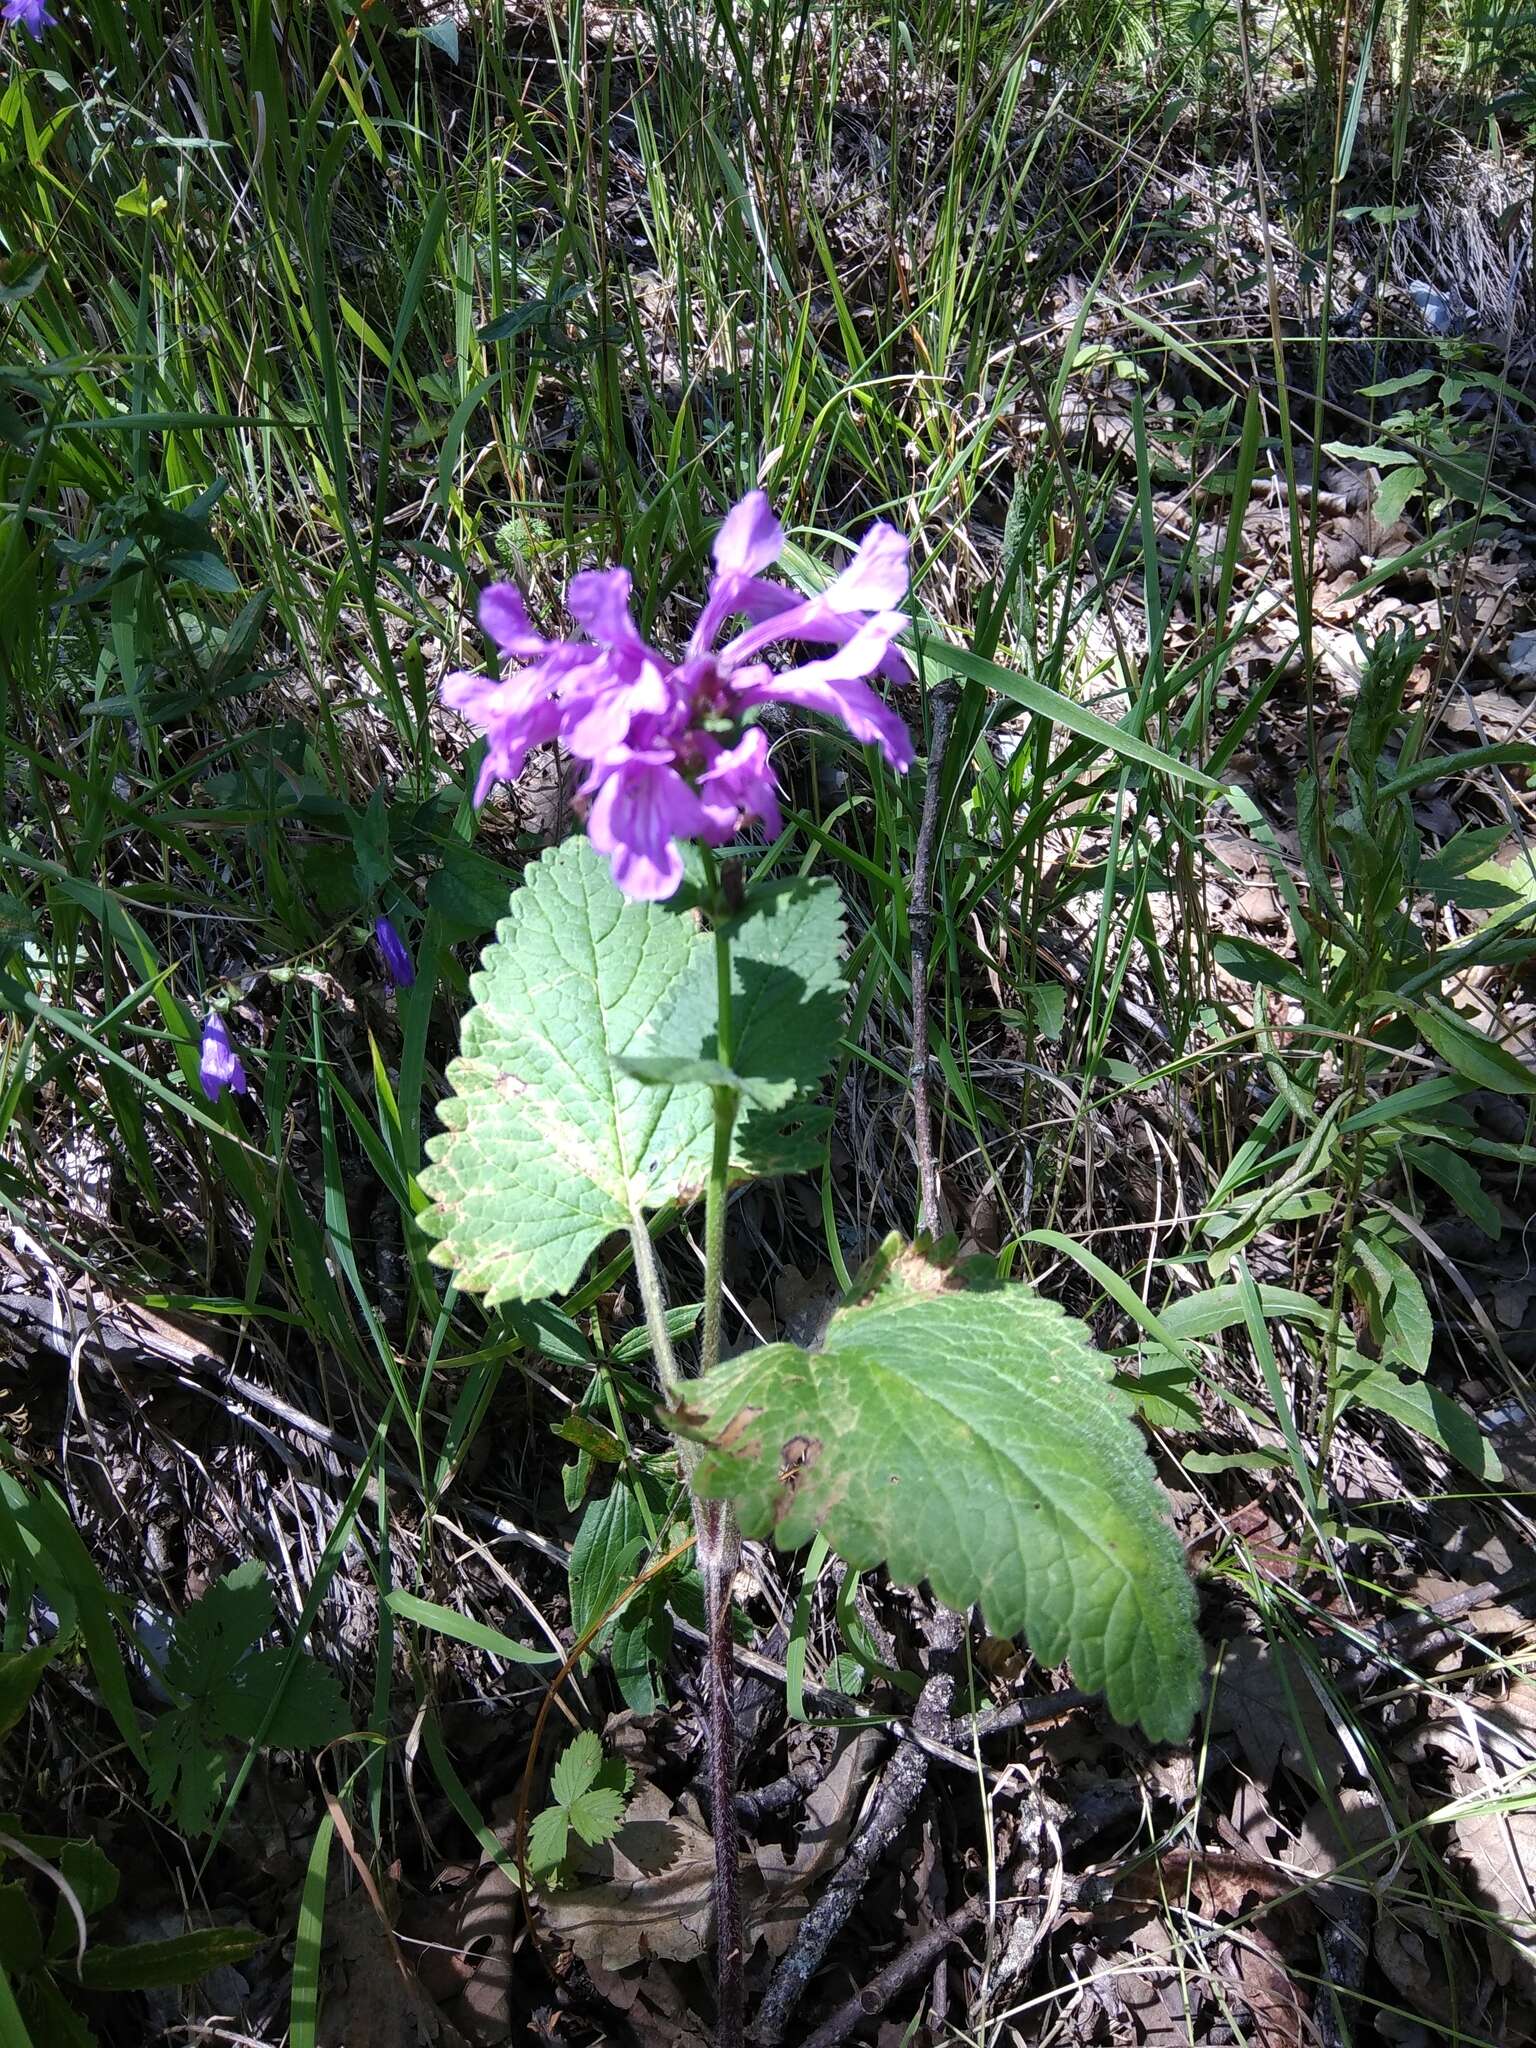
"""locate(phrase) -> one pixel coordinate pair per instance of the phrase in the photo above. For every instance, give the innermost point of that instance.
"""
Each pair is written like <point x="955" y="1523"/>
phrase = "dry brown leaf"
<point x="830" y="1814"/>
<point x="653" y="1895"/>
<point x="1350" y="1834"/>
<point x="1267" y="1989"/>
<point x="1486" y="715"/>
<point x="370" y="2000"/>
<point x="1266" y="1700"/>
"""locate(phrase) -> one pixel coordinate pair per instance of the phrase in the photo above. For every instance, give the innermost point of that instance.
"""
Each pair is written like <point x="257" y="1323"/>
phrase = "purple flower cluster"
<point x="668" y="754"/>
<point x="32" y="15"/>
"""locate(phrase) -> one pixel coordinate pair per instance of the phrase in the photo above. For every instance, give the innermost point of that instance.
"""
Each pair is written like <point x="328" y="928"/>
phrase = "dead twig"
<point x="899" y="1793"/>
<point x="911" y="1964"/>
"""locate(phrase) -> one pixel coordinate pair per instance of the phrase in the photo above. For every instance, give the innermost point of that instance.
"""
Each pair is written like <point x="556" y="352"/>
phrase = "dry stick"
<point x="876" y="1995"/>
<point x="920" y="923"/>
<point x="899" y="1793"/>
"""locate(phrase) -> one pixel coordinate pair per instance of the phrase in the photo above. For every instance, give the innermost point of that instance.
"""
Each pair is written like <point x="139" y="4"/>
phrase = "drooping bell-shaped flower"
<point x="32" y="15"/>
<point x="219" y="1065"/>
<point x="396" y="954"/>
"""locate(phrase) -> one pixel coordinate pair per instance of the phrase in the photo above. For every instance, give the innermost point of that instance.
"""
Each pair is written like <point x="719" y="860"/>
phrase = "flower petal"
<point x="504" y="620"/>
<point x="835" y="687"/>
<point x="641" y="809"/>
<point x="219" y="1066"/>
<point x="876" y="578"/>
<point x="598" y="600"/>
<point x="740" y="784"/>
<point x="750" y="538"/>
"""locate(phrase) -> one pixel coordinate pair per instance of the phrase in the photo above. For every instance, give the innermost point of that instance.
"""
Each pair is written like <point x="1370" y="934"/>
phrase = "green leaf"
<point x="548" y="1838"/>
<point x="20" y="1674"/>
<point x="548" y="1146"/>
<point x="21" y="1939"/>
<point x="373" y="863"/>
<point x="1054" y="709"/>
<point x="969" y="1436"/>
<point x="1367" y="451"/>
<point x="1461" y="1181"/>
<point x="51" y="2020"/>
<point x="1390" y="386"/>
<point x="147" y="1965"/>
<point x="597" y="1814"/>
<point x="186" y="1774"/>
<point x="1234" y="1461"/>
<point x="1394" y="491"/>
<point x="217" y="1630"/>
<point x="639" y="1645"/>
<point x="1475" y="1057"/>
<point x="38" y="1527"/>
<point x="787" y="994"/>
<point x="311" y="1711"/>
<point x="614" y="1532"/>
<point x="92" y="1876"/>
<point x="635" y="1344"/>
<point x="1044" y="1007"/>
<point x="1421" y="1407"/>
<point x="1400" y="1317"/>
<point x="578" y="1767"/>
<point x="448" y="1622"/>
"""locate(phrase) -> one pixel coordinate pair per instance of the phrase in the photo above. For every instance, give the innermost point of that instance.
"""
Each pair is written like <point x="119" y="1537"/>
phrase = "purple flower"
<point x="219" y="1067"/>
<point x="670" y="748"/>
<point x="397" y="958"/>
<point x="32" y="15"/>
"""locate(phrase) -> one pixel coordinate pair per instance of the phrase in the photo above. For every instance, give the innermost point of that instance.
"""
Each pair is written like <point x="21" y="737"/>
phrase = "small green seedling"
<point x="589" y="1793"/>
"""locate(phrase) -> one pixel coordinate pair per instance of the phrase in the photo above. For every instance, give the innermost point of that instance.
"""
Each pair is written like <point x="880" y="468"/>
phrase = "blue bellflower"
<point x="32" y="15"/>
<point x="397" y="958"/>
<point x="219" y="1067"/>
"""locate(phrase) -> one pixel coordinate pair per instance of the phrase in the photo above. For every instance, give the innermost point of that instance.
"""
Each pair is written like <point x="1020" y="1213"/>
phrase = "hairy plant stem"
<point x="718" y="1541"/>
<point x="719" y="1555"/>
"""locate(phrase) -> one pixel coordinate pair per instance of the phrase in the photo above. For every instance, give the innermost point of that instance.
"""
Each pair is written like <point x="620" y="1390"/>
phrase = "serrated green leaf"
<point x="549" y="1836"/>
<point x="640" y="1643"/>
<point x="968" y="1436"/>
<point x="147" y="1965"/>
<point x="217" y="1630"/>
<point x="597" y="1814"/>
<point x="311" y="1712"/>
<point x="577" y="1769"/>
<point x="613" y="1533"/>
<point x="787" y="993"/>
<point x="548" y="1146"/>
<point x="186" y="1774"/>
<point x="1421" y="1407"/>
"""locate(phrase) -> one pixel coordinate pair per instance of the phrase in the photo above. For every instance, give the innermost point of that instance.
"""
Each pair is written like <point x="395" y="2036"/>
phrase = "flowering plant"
<point x="621" y="1055"/>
